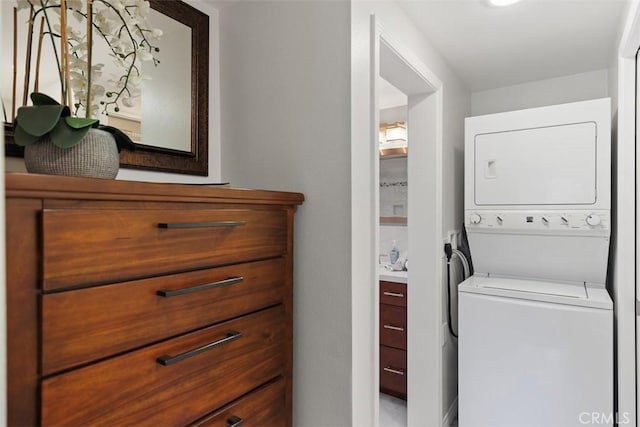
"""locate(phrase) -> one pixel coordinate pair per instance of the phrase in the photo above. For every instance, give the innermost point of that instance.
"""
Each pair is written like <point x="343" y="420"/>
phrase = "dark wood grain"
<point x="89" y="324"/>
<point x="392" y="383"/>
<point x="264" y="407"/>
<point x="135" y="390"/>
<point x="393" y="343"/>
<point x="87" y="353"/>
<point x="288" y="306"/>
<point x="22" y="311"/>
<point x="393" y="317"/>
<point x="99" y="246"/>
<point x="398" y="289"/>
<point x="77" y="188"/>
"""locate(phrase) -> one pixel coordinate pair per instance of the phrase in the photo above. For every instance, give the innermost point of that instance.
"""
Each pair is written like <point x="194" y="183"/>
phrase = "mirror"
<point x="170" y="126"/>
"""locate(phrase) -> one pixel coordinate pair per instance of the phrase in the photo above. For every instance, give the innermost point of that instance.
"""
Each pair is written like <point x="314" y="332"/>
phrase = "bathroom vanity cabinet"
<point x="134" y="303"/>
<point x="393" y="338"/>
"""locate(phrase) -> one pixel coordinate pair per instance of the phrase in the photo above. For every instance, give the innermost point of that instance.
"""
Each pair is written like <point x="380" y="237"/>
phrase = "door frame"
<point x="625" y="206"/>
<point x="391" y="60"/>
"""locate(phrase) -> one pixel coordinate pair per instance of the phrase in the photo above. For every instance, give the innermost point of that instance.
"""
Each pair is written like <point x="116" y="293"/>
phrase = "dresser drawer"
<point x="261" y="408"/>
<point x="139" y="389"/>
<point x="101" y="246"/>
<point x="393" y="371"/>
<point x="87" y="324"/>
<point x="393" y="293"/>
<point x="393" y="326"/>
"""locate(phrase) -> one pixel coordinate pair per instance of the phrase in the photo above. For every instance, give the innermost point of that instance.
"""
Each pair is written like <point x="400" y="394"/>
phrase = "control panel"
<point x="538" y="221"/>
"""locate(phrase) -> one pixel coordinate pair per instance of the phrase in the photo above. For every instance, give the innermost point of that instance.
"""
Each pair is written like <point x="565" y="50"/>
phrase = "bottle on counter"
<point x="394" y="253"/>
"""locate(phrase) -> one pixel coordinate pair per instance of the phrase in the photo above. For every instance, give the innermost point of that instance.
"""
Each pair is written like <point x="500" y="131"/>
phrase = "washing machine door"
<point x="533" y="363"/>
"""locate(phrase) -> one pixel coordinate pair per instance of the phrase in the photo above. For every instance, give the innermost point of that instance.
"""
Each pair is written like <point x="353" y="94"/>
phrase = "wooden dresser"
<point x="393" y="339"/>
<point x="133" y="303"/>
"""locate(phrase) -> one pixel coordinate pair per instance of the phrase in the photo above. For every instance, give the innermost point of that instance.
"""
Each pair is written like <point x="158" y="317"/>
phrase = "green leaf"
<point x="122" y="139"/>
<point x="39" y="120"/>
<point x="41" y="99"/>
<point x="64" y="136"/>
<point x="21" y="137"/>
<point x="81" y="122"/>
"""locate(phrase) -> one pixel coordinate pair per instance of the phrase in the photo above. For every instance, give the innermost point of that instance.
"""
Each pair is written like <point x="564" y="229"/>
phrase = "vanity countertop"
<point x="392" y="276"/>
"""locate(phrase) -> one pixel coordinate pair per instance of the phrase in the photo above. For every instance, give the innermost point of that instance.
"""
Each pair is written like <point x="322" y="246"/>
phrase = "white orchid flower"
<point x="75" y="5"/>
<point x="122" y="26"/>
<point x="145" y="55"/>
<point x="26" y="4"/>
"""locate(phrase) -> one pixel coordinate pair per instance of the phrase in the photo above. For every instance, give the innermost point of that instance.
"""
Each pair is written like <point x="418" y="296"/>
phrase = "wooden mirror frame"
<point x="196" y="161"/>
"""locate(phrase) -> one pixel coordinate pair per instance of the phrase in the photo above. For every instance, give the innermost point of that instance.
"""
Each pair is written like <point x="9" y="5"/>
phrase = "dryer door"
<point x="553" y="165"/>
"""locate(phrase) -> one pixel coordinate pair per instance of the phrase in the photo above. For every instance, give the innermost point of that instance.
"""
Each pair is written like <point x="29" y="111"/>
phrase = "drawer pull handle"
<point x="235" y="421"/>
<point x="393" y="371"/>
<point x="201" y="224"/>
<point x="167" y="360"/>
<point x="393" y="294"/>
<point x="393" y="328"/>
<point x="176" y="292"/>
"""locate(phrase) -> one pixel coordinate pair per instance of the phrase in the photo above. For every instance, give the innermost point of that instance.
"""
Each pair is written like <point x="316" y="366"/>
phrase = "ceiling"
<point x="490" y="47"/>
<point x="389" y="96"/>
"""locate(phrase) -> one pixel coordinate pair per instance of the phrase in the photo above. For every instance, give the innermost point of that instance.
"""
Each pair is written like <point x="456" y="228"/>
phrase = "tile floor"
<point x="393" y="412"/>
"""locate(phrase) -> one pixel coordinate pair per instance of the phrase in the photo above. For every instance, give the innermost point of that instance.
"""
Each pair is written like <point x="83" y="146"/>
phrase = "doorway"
<point x="398" y="66"/>
<point x="393" y="250"/>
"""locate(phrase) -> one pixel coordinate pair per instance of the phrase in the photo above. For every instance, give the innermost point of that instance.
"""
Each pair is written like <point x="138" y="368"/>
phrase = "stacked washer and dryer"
<point x="535" y="319"/>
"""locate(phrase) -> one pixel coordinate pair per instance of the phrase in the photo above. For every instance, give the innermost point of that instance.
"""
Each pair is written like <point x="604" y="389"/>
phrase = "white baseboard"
<point x="451" y="414"/>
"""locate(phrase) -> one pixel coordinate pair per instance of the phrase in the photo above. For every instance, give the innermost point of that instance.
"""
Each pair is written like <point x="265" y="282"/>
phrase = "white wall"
<point x="393" y="114"/>
<point x="456" y="106"/>
<point x="285" y="110"/>
<point x="163" y="95"/>
<point x="393" y="187"/>
<point x="393" y="202"/>
<point x="560" y="90"/>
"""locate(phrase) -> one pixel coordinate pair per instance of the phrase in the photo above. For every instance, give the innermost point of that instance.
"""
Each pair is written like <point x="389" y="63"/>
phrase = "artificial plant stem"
<point x="64" y="47"/>
<point x="89" y="105"/>
<point x="36" y="83"/>
<point x="53" y="45"/>
<point x="63" y="50"/>
<point x="15" y="61"/>
<point x="27" y="60"/>
<point x="134" y="53"/>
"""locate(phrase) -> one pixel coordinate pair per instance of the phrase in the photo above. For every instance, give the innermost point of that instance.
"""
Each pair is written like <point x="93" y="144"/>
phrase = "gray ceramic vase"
<point x="95" y="156"/>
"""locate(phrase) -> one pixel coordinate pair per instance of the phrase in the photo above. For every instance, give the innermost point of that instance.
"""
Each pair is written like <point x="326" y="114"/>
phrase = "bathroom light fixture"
<point x="393" y="138"/>
<point x="395" y="132"/>
<point x="502" y="2"/>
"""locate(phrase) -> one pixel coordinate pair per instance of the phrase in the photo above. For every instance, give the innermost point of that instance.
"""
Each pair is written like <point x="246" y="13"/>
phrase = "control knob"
<point x="593" y="220"/>
<point x="475" y="218"/>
